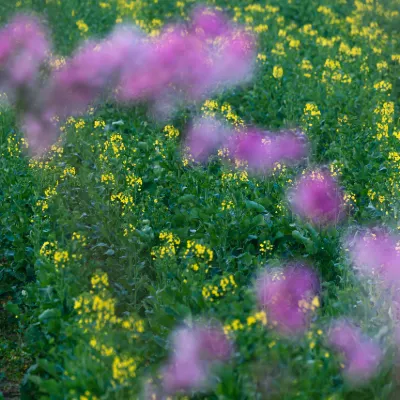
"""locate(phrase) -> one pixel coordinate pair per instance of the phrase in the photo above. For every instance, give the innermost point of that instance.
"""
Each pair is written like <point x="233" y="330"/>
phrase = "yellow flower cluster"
<point x="116" y="144"/>
<point x="60" y="258"/>
<point x="266" y="247"/>
<point x="69" y="171"/>
<point x="169" y="248"/>
<point x="383" y="86"/>
<point x="82" y="26"/>
<point x="277" y="72"/>
<point x="99" y="281"/>
<point x="211" y="108"/>
<point x="97" y="309"/>
<point x="227" y="205"/>
<point x="134" y="181"/>
<point x="349" y="51"/>
<point x="237" y="325"/>
<point x="108" y="178"/>
<point x="171" y="132"/>
<point x="306" y="306"/>
<point x="99" y="124"/>
<point x="212" y="292"/>
<point x="14" y="146"/>
<point x="306" y="66"/>
<point x="385" y="112"/>
<point x="199" y="251"/>
<point x="48" y="248"/>
<point x="130" y="228"/>
<point x="123" y="369"/>
<point x="235" y="177"/>
<point x="311" y="114"/>
<point x="123" y="199"/>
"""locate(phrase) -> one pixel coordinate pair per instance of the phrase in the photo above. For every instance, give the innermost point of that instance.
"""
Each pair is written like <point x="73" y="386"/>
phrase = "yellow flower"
<point x="82" y="26"/>
<point x="277" y="72"/>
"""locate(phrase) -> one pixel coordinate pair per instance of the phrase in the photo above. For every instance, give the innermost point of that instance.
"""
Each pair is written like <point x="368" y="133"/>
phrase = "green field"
<point x="116" y="237"/>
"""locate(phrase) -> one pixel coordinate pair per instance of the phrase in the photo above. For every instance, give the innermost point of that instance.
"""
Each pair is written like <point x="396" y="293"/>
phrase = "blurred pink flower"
<point x="261" y="151"/>
<point x="23" y="49"/>
<point x="362" y="355"/>
<point x="233" y="60"/>
<point x="318" y="198"/>
<point x="253" y="148"/>
<point x="94" y="68"/>
<point x="40" y="132"/>
<point x="194" y="352"/>
<point x="204" y="137"/>
<point x="376" y="253"/>
<point x="289" y="296"/>
<point x="209" y="23"/>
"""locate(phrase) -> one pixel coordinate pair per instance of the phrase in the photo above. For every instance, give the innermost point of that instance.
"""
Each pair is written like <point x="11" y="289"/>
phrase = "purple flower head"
<point x="233" y="60"/>
<point x="362" y="355"/>
<point x="376" y="253"/>
<point x="204" y="137"/>
<point x="209" y="23"/>
<point x="289" y="147"/>
<point x="289" y="297"/>
<point x="260" y="151"/>
<point x="23" y="49"/>
<point x="40" y="132"/>
<point x="253" y="148"/>
<point x="194" y="352"/>
<point x="318" y="198"/>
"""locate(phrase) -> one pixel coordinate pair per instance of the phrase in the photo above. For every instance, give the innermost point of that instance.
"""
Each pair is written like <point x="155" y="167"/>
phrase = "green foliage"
<point x="118" y="216"/>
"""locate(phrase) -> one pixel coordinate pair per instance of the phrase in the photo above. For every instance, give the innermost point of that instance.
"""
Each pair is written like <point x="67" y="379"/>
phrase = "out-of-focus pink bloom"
<point x="194" y="352"/>
<point x="253" y="148"/>
<point x="204" y="137"/>
<point x="23" y="49"/>
<point x="318" y="198"/>
<point x="95" y="67"/>
<point x="289" y="147"/>
<point x="186" y="62"/>
<point x="362" y="355"/>
<point x="260" y="151"/>
<point x="376" y="253"/>
<point x="289" y="297"/>
<point x="40" y="132"/>
<point x="209" y="23"/>
<point x="233" y="61"/>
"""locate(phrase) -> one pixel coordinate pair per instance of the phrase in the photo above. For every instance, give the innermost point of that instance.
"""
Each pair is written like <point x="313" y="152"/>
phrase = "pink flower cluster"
<point x="195" y="351"/>
<point x="23" y="50"/>
<point x="289" y="297"/>
<point x="377" y="254"/>
<point x="190" y="62"/>
<point x="362" y="355"/>
<point x="258" y="151"/>
<point x="186" y="62"/>
<point x="317" y="197"/>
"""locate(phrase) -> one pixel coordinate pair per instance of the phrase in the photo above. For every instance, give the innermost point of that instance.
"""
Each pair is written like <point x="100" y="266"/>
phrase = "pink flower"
<point x="209" y="23"/>
<point x="376" y="253"/>
<point x="23" y="49"/>
<point x="194" y="352"/>
<point x="233" y="60"/>
<point x="204" y="137"/>
<point x="318" y="198"/>
<point x="253" y="148"/>
<point x="95" y="67"/>
<point x="362" y="355"/>
<point x="40" y="132"/>
<point x="262" y="150"/>
<point x="289" y="297"/>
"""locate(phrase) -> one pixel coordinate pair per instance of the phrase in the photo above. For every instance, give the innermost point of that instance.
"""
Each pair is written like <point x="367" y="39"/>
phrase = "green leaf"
<point x="252" y="205"/>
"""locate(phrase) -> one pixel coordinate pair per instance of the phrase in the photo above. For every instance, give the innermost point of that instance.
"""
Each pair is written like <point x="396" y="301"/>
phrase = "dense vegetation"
<point x="116" y="237"/>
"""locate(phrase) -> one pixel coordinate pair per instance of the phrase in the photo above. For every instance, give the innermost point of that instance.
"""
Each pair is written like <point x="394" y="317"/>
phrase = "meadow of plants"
<point x="142" y="258"/>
